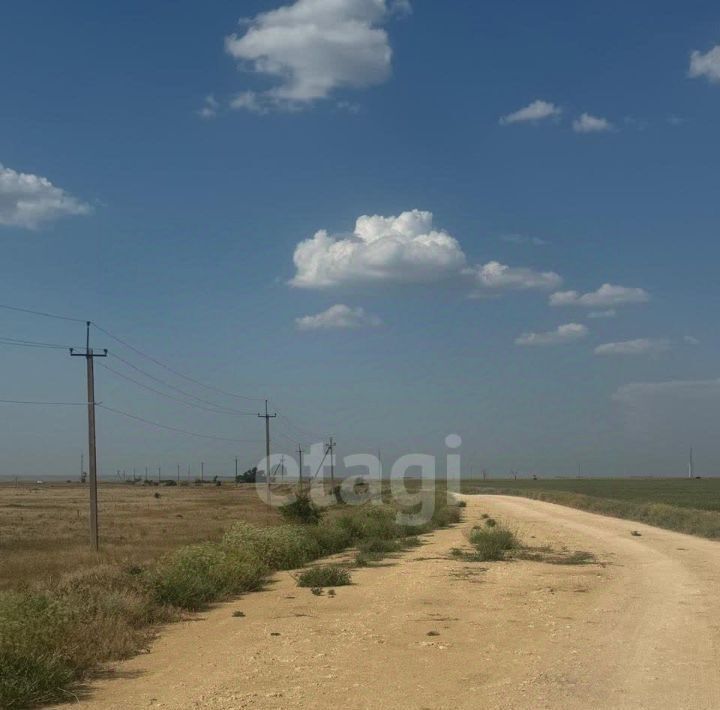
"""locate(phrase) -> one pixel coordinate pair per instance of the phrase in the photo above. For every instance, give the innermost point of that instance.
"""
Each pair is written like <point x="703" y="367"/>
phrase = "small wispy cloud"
<point x="29" y="201"/>
<point x="588" y="123"/>
<point x="536" y="111"/>
<point x="210" y="107"/>
<point x="640" y="346"/>
<point x="337" y="317"/>
<point x="497" y="276"/>
<point x="607" y="296"/>
<point x="706" y="65"/>
<point x="568" y="333"/>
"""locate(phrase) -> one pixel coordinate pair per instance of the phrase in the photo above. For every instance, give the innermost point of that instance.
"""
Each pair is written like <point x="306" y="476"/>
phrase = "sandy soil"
<point x="639" y="630"/>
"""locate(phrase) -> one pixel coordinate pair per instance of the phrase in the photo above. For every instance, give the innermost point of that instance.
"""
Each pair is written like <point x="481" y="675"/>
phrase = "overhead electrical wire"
<point x="42" y="313"/>
<point x="176" y="429"/>
<point x="226" y="410"/>
<point x="214" y="410"/>
<point x="175" y="372"/>
<point x="54" y="404"/>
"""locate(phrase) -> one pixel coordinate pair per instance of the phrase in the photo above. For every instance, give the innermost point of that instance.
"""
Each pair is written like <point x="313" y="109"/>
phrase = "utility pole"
<point x="282" y="469"/>
<point x="202" y="471"/>
<point x="691" y="466"/>
<point x="82" y="467"/>
<point x="236" y="470"/>
<point x="267" y="417"/>
<point x="89" y="356"/>
<point x="146" y="474"/>
<point x="178" y="475"/>
<point x="331" y="451"/>
<point x="300" y="466"/>
<point x="159" y="475"/>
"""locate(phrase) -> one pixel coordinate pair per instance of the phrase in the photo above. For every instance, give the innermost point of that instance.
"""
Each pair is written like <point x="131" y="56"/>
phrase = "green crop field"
<point x="681" y="504"/>
<point x="702" y="494"/>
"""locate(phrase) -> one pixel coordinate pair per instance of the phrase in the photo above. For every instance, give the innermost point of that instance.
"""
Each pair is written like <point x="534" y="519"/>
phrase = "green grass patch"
<point x="324" y="576"/>
<point x="493" y="543"/>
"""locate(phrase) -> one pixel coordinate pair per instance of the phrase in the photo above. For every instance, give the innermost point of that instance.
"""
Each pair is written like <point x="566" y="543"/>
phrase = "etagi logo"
<point x="365" y="481"/>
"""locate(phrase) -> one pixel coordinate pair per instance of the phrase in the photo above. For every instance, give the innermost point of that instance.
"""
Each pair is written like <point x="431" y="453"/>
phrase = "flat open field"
<point x="686" y="505"/>
<point x="44" y="529"/>
<point x="701" y="494"/>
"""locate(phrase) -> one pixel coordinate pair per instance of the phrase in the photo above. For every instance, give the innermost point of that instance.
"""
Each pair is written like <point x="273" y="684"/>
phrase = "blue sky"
<point x="533" y="149"/>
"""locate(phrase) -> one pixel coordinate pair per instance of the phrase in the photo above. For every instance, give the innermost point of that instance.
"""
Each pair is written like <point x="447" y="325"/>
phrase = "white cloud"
<point x="607" y="296"/>
<point x="641" y="346"/>
<point x="691" y="340"/>
<point x="707" y="65"/>
<point x="313" y="47"/>
<point x="610" y="313"/>
<point x="30" y="200"/>
<point x="567" y="333"/>
<point x="402" y="249"/>
<point x="591" y="124"/>
<point x="338" y="316"/>
<point x="635" y="392"/>
<point x="210" y="107"/>
<point x="536" y="111"/>
<point x="495" y="275"/>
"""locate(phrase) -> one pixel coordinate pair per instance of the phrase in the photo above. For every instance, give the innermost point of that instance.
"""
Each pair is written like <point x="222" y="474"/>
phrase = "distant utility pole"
<point x="691" y="466"/>
<point x="236" y="469"/>
<point x="82" y="467"/>
<point x="146" y="474"/>
<point x="178" y="474"/>
<point x="282" y="469"/>
<point x="89" y="356"/>
<point x="300" y="465"/>
<point x="159" y="474"/>
<point x="202" y="471"/>
<point x="267" y="417"/>
<point x="331" y="451"/>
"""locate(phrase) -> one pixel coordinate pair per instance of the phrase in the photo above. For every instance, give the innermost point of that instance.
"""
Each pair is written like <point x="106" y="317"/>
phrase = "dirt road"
<point x="640" y="630"/>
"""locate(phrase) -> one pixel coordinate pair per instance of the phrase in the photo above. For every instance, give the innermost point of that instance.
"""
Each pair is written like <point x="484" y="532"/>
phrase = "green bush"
<point x="302" y="509"/>
<point x="34" y="664"/>
<point x="281" y="547"/>
<point x="324" y="576"/>
<point x="193" y="576"/>
<point x="493" y="543"/>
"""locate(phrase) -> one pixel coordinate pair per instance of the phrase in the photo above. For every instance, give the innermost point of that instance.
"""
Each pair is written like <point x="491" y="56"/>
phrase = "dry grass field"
<point x="44" y="529"/>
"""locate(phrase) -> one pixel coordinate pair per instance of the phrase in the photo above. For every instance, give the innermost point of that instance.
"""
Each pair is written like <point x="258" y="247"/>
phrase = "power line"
<point x="172" y="428"/>
<point x="214" y="410"/>
<point x="174" y="371"/>
<point x="4" y="340"/>
<point x="225" y="410"/>
<point x="58" y="404"/>
<point x="41" y="313"/>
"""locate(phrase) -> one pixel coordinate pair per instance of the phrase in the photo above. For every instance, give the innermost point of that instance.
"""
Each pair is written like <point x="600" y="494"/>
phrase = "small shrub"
<point x="302" y="509"/>
<point x="491" y="522"/>
<point x="282" y="547"/>
<point x="195" y="575"/>
<point x="462" y="504"/>
<point x="324" y="576"/>
<point x="493" y="543"/>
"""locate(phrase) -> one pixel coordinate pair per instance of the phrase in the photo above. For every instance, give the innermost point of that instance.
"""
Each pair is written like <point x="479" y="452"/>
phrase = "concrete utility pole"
<point x="267" y="417"/>
<point x="202" y="472"/>
<point x="236" y="470"/>
<point x="159" y="474"/>
<point x="691" y="466"/>
<point x="89" y="356"/>
<point x="300" y="465"/>
<point x="178" y="474"/>
<point x="331" y="451"/>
